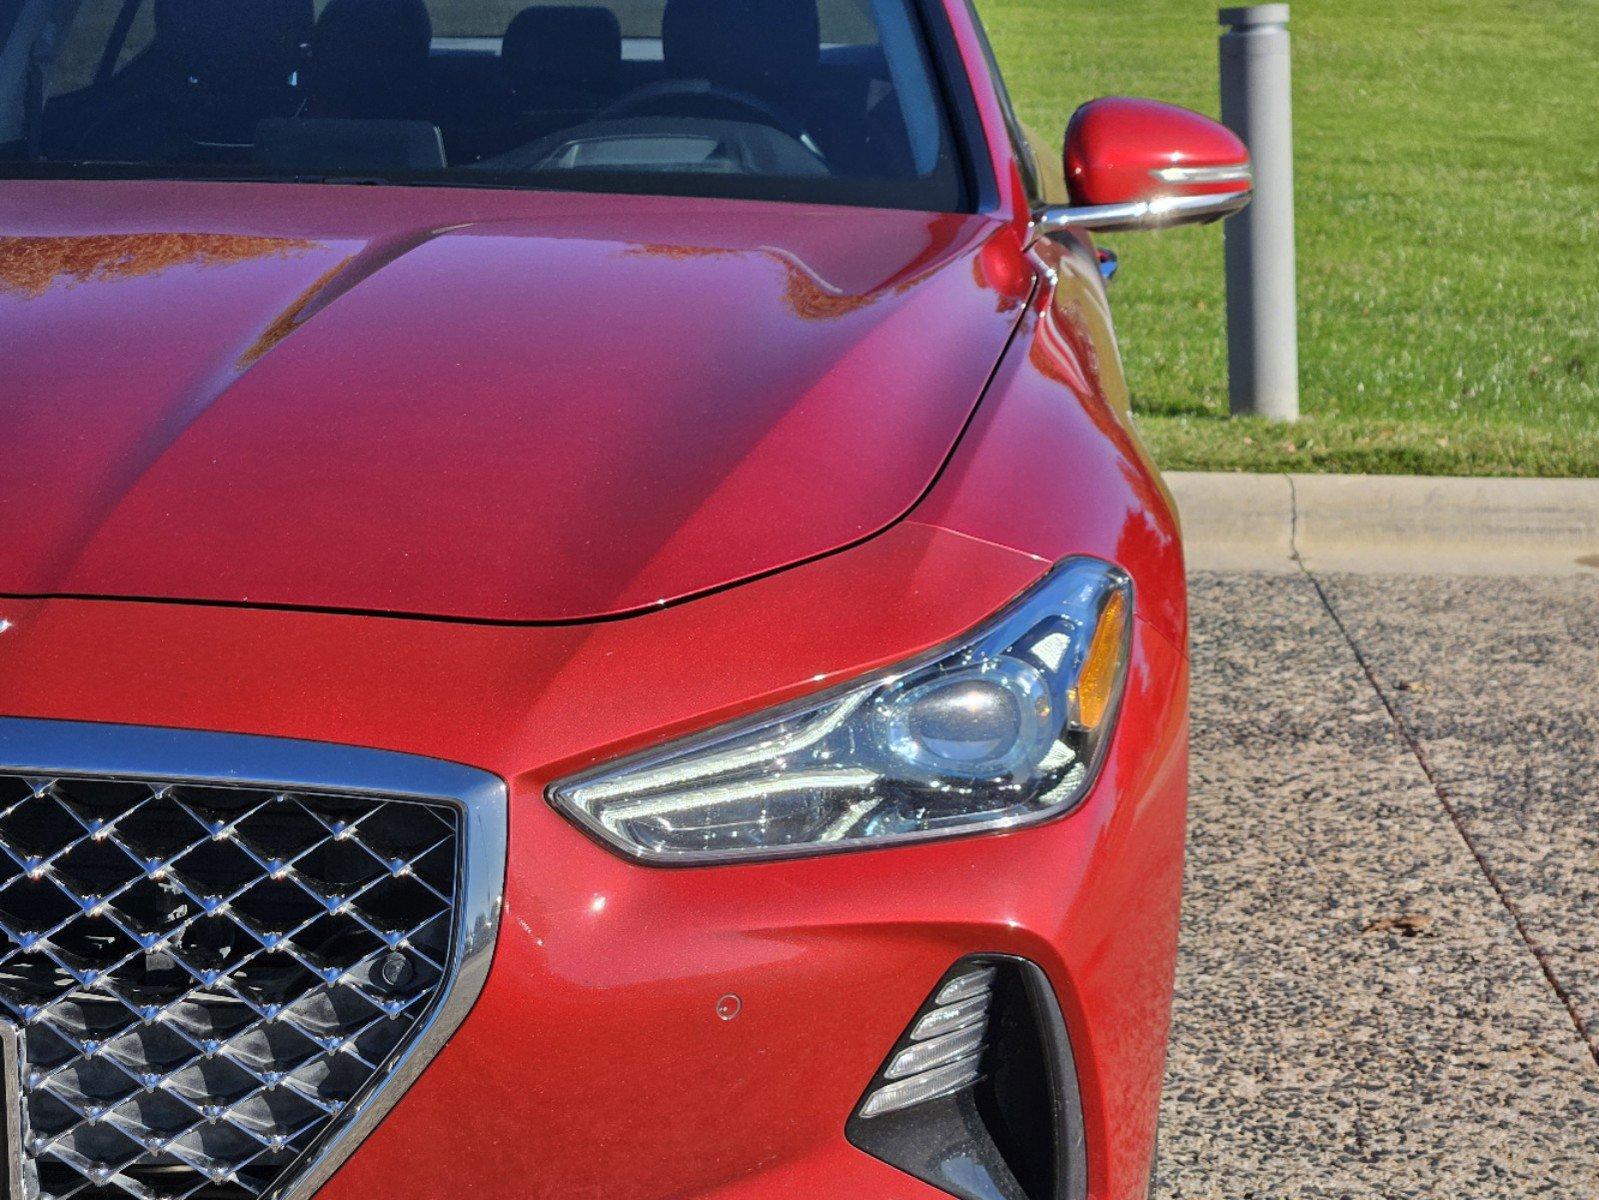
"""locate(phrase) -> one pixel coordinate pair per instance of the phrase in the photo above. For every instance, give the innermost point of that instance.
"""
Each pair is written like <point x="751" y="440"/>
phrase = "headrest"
<point x="569" y="45"/>
<point x="234" y="44"/>
<point x="394" y="27"/>
<point x="760" y="46"/>
<point x="369" y="58"/>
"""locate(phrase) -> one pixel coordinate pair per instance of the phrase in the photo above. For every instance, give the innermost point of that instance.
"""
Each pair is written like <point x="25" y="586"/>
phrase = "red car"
<point x="580" y="611"/>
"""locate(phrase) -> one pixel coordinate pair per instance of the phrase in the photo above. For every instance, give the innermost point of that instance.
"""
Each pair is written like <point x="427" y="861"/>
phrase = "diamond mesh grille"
<point x="206" y="977"/>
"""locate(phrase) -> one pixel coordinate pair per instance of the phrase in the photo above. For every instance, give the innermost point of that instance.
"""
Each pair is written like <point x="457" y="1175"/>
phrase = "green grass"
<point x="1447" y="188"/>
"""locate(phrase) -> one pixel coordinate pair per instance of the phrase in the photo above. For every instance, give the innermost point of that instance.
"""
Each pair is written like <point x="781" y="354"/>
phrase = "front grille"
<point x="206" y="977"/>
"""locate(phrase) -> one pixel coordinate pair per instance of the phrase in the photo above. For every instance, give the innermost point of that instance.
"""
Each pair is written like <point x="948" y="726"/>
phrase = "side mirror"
<point x="1140" y="164"/>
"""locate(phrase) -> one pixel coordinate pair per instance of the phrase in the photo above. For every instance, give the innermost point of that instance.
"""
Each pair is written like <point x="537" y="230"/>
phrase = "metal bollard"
<point x="1262" y="312"/>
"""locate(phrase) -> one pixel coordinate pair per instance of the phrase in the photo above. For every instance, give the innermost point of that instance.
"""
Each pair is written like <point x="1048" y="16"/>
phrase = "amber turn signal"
<point x="1097" y="685"/>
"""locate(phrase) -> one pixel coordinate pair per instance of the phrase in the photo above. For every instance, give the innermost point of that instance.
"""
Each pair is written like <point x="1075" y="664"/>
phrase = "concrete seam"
<point x="1589" y="1039"/>
<point x="1293" y="524"/>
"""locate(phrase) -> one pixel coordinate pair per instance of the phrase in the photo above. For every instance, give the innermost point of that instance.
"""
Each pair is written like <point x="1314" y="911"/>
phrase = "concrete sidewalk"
<point x="1389" y="979"/>
<point x="1389" y="524"/>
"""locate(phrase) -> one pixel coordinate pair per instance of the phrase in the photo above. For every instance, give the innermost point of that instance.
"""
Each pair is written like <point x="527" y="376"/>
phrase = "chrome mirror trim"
<point x="1160" y="213"/>
<point x="129" y="751"/>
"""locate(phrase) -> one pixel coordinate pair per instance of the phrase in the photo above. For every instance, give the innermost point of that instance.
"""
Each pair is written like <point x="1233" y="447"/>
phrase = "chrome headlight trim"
<point x="716" y="764"/>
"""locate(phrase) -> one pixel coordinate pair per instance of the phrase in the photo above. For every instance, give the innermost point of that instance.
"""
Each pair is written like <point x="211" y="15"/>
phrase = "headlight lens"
<point x="1008" y="727"/>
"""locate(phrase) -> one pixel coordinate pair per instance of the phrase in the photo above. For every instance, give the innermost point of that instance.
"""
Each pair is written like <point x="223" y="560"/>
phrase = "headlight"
<point x="1006" y="728"/>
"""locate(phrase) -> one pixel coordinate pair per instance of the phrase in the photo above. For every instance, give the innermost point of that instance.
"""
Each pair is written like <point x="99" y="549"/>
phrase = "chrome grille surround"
<point x="223" y="958"/>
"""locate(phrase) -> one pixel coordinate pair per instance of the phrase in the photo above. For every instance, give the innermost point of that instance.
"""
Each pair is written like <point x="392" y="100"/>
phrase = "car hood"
<point x="502" y="406"/>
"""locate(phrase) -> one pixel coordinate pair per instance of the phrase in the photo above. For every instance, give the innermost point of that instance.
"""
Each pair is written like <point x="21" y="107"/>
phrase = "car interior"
<point x="785" y="89"/>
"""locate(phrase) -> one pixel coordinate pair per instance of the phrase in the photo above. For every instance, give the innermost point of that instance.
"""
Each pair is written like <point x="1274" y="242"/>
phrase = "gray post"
<point x="1262" y="314"/>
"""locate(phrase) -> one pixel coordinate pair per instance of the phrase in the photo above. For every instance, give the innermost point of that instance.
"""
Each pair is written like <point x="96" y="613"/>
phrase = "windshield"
<point x="824" y="100"/>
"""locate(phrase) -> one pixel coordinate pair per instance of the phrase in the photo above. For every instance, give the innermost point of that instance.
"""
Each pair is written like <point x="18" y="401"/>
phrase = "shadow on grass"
<point x="1144" y="406"/>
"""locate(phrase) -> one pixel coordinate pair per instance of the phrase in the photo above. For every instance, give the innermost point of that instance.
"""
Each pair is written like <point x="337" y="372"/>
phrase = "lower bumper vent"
<point x="979" y="1096"/>
<point x="197" y="981"/>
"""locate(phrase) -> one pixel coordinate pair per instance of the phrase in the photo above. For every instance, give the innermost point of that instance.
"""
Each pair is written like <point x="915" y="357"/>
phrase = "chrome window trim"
<point x="45" y="747"/>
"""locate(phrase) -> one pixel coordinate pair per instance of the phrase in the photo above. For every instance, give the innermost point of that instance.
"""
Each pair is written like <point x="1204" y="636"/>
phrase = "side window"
<point x="141" y="32"/>
<point x="847" y="23"/>
<point x="1020" y="144"/>
<point x="490" y="18"/>
<point x="122" y="28"/>
<point x="844" y="22"/>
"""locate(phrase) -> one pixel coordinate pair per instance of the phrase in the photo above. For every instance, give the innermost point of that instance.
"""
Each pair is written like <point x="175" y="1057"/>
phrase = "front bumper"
<point x="599" y="1060"/>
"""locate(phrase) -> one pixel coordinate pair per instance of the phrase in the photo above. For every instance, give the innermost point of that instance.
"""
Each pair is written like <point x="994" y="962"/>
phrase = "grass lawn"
<point x="1448" y="229"/>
